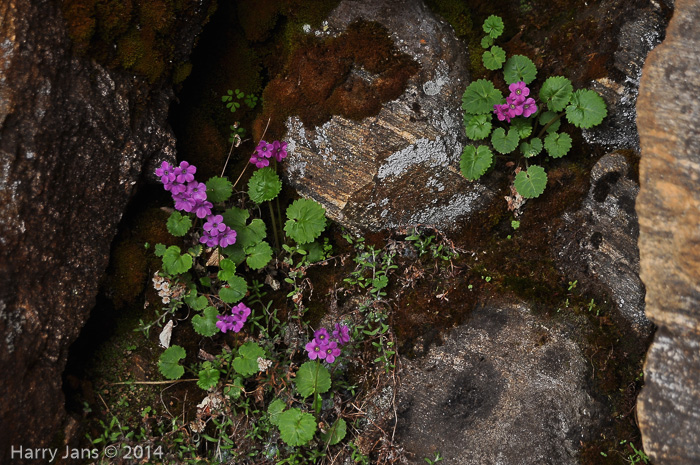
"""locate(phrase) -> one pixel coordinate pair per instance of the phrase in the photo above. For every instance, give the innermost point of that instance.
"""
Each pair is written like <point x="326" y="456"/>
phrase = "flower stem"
<point x="274" y="225"/>
<point x="546" y="126"/>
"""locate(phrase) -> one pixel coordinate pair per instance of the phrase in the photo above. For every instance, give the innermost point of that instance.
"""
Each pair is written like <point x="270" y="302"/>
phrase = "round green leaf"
<point x="557" y="144"/>
<point x="475" y="161"/>
<point x="493" y="59"/>
<point x="336" y="433"/>
<point x="531" y="183"/>
<point x="264" y="185"/>
<point x="493" y="26"/>
<point x="236" y="390"/>
<point x="169" y="362"/>
<point x="505" y="143"/>
<point x="208" y="376"/>
<point x="306" y="220"/>
<point x="312" y="378"/>
<point x="246" y="364"/>
<point x="556" y="92"/>
<point x="548" y="116"/>
<point x="174" y="263"/>
<point x="259" y="255"/>
<point x="486" y="42"/>
<point x="205" y="324"/>
<point x="587" y="109"/>
<point x="480" y="97"/>
<point x="246" y="234"/>
<point x="159" y="250"/>
<point x="523" y="126"/>
<point x="519" y="68"/>
<point x="235" y="253"/>
<point x="235" y="218"/>
<point x="296" y="427"/>
<point x="274" y="410"/>
<point x="531" y="148"/>
<point x="237" y="290"/>
<point x="178" y="224"/>
<point x="218" y="189"/>
<point x="227" y="270"/>
<point x="477" y="126"/>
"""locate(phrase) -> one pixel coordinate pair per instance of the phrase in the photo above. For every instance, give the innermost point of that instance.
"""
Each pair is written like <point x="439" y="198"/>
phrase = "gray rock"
<point x="505" y="388"/>
<point x="642" y="29"/>
<point x="597" y="244"/>
<point x="669" y="240"/>
<point x="401" y="166"/>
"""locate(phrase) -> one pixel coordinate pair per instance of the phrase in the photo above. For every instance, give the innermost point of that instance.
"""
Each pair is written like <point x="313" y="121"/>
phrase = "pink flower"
<point x="341" y="333"/>
<point x="279" y="150"/>
<point x="321" y="336"/>
<point x="259" y="161"/>
<point x="315" y="351"/>
<point x="501" y="112"/>
<point x="519" y="89"/>
<point x="331" y="351"/>
<point x="529" y="107"/>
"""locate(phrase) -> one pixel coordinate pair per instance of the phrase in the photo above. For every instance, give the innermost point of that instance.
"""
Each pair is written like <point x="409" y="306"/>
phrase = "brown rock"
<point x="401" y="165"/>
<point x="73" y="139"/>
<point x="669" y="217"/>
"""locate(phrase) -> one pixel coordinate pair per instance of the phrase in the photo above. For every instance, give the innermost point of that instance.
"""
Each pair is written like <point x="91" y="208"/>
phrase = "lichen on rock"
<point x="398" y="164"/>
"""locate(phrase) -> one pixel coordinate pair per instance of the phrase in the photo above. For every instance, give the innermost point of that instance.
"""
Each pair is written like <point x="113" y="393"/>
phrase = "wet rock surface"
<point x="73" y="139"/>
<point x="641" y="30"/>
<point x="597" y="245"/>
<point x="503" y="380"/>
<point x="401" y="166"/>
<point x="669" y="213"/>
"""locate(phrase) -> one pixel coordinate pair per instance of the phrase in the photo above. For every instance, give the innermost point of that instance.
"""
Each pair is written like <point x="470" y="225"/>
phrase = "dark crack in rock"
<point x="503" y="380"/>
<point x="597" y="244"/>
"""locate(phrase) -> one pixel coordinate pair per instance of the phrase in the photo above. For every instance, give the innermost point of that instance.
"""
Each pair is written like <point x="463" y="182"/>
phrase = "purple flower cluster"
<point x="235" y="321"/>
<point x="517" y="103"/>
<point x="265" y="151"/>
<point x="216" y="233"/>
<point x="188" y="194"/>
<point x="324" y="346"/>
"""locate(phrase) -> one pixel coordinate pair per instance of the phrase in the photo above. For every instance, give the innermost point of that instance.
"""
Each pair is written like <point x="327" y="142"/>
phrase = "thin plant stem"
<point x="274" y="225"/>
<point x="246" y="166"/>
<point x="546" y="126"/>
<point x="279" y="210"/>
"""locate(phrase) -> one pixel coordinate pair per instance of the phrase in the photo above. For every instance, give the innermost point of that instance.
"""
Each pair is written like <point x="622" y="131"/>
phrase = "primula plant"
<point x="206" y="279"/>
<point x="522" y="123"/>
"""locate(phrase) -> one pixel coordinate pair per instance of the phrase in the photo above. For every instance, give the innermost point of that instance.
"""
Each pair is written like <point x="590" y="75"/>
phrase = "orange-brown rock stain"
<point x="350" y="75"/>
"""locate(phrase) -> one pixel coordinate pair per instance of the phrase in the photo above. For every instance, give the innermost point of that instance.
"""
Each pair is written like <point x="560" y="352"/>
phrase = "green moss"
<point x="81" y="23"/>
<point x="130" y="49"/>
<point x="132" y="264"/>
<point x="455" y="12"/>
<point x="182" y="71"/>
<point x="142" y="32"/>
<point x="157" y="14"/>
